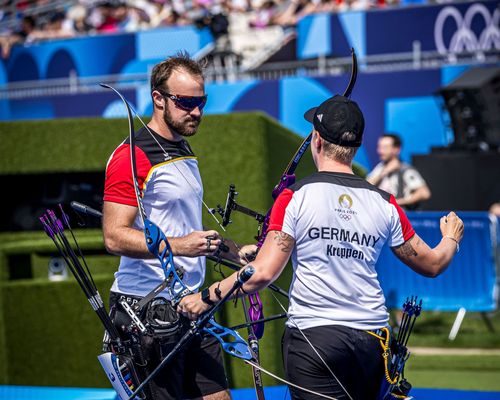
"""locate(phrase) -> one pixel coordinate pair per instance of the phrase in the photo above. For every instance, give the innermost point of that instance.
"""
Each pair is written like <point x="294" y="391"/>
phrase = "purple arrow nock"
<point x="51" y="215"/>
<point x="418" y="309"/>
<point x="48" y="230"/>
<point x="46" y="221"/>
<point x="60" y="227"/>
<point x="64" y="216"/>
<point x="255" y="312"/>
<point x="56" y="222"/>
<point x="406" y="305"/>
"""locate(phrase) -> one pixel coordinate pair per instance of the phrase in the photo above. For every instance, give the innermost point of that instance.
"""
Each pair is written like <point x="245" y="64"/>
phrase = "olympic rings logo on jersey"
<point x="345" y="211"/>
<point x="345" y="217"/>
<point x="465" y="39"/>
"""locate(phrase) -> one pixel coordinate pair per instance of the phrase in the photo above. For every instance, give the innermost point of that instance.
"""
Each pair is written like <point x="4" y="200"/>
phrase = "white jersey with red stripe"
<point x="172" y="192"/>
<point x="340" y="223"/>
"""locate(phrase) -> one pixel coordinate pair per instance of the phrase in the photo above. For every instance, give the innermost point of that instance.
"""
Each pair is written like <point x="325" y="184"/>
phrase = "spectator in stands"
<point x="322" y="6"/>
<point x="141" y="12"/>
<point x="55" y="28"/>
<point x="264" y="15"/>
<point x="111" y="17"/>
<point x="206" y="13"/>
<point x="238" y="5"/>
<point x="346" y="5"/>
<point x="133" y="17"/>
<point x="20" y="36"/>
<point x="219" y="27"/>
<point x="108" y="22"/>
<point x="130" y="15"/>
<point x="164" y="14"/>
<point x="77" y="20"/>
<point x="396" y="177"/>
<point x="289" y="13"/>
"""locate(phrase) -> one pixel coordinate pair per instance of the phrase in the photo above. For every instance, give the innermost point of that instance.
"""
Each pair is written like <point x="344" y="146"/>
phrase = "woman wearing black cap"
<point x="333" y="224"/>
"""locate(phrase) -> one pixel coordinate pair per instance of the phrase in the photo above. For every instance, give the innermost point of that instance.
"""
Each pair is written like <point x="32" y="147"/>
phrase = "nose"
<point x="196" y="112"/>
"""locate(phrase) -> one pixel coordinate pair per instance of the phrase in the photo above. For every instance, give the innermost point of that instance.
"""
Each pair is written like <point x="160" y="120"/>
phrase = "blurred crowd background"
<point x="28" y="21"/>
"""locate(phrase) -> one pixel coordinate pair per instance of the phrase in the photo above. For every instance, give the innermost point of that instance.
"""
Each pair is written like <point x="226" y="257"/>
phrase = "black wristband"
<point x="217" y="291"/>
<point x="205" y="297"/>
<point x="243" y="290"/>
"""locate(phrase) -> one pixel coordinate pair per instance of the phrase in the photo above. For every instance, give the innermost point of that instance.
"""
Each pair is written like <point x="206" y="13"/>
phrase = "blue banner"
<point x="401" y="102"/>
<point x="469" y="281"/>
<point x="100" y="55"/>
<point x="447" y="28"/>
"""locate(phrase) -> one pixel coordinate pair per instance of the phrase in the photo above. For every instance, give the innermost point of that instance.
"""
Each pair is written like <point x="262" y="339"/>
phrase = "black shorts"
<point x="354" y="356"/>
<point x="196" y="371"/>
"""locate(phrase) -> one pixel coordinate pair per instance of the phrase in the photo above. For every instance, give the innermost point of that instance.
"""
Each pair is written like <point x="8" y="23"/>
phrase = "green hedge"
<point x="51" y="335"/>
<point x="54" y="337"/>
<point x="3" y="343"/>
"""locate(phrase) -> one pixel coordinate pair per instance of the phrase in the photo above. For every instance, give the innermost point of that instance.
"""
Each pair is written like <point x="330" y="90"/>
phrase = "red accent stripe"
<point x="118" y="187"/>
<point x="278" y="212"/>
<point x="406" y="227"/>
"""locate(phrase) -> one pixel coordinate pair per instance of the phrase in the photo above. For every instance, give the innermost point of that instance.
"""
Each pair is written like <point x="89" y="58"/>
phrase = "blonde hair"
<point x="342" y="154"/>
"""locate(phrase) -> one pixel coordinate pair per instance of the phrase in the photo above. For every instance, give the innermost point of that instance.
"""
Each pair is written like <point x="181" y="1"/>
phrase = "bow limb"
<point x="130" y="118"/>
<point x="254" y="346"/>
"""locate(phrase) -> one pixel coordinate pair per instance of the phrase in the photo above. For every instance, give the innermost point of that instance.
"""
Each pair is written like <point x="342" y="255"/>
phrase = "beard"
<point x="187" y="126"/>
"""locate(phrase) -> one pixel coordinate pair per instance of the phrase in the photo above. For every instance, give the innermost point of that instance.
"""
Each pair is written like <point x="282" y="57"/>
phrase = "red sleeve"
<point x="118" y="185"/>
<point x="278" y="211"/>
<point x="406" y="227"/>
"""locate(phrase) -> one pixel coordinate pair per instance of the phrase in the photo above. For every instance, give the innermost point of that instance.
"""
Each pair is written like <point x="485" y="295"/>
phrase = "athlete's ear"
<point x="158" y="99"/>
<point x="316" y="140"/>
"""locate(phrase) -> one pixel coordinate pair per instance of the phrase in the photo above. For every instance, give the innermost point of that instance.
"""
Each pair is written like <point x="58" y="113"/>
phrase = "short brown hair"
<point x="163" y="70"/>
<point x="396" y="140"/>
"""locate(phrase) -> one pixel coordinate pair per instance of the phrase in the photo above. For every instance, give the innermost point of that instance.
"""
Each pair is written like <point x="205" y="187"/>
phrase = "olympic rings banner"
<point x="447" y="28"/>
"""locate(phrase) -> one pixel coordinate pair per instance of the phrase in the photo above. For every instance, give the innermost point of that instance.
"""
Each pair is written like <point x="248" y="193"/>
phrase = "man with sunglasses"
<point x="172" y="192"/>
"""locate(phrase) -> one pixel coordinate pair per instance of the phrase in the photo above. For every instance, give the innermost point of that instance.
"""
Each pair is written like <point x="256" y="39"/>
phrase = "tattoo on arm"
<point x="407" y="250"/>
<point x="284" y="241"/>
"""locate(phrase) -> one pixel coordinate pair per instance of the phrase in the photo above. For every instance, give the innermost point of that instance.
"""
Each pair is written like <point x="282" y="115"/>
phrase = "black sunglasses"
<point x="187" y="103"/>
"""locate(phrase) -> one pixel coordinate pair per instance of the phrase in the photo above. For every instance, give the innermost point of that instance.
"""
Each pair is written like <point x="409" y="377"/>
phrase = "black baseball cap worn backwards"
<point x="334" y="117"/>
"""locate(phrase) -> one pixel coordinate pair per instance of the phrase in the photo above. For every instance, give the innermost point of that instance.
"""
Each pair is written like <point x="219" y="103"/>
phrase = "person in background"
<point x="28" y="26"/>
<point x="495" y="209"/>
<point x="396" y="177"/>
